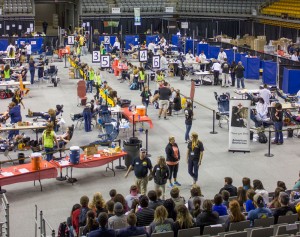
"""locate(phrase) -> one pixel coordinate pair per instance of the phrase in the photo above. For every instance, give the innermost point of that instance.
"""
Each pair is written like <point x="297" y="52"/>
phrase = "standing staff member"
<point x="15" y="117"/>
<point x="194" y="156"/>
<point x="188" y="113"/>
<point x="141" y="165"/>
<point x="98" y="83"/>
<point x="48" y="139"/>
<point x="173" y="157"/>
<point x="278" y="123"/>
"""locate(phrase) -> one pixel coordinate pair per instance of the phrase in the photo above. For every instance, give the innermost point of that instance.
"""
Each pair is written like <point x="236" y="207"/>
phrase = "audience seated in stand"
<point x="225" y="195"/>
<point x="285" y="208"/>
<point x="241" y="197"/>
<point x="246" y="183"/>
<point x="153" y="202"/>
<point x="175" y="195"/>
<point x="259" y="189"/>
<point x="248" y="205"/>
<point x="103" y="231"/>
<point x="195" y="192"/>
<point x="235" y="214"/>
<point x="229" y="187"/>
<point x="161" y="222"/>
<point x="207" y="217"/>
<point x="132" y="230"/>
<point x="117" y="221"/>
<point x="184" y="219"/>
<point x="260" y="210"/>
<point x="91" y="223"/>
<point x="218" y="206"/>
<point x="145" y="215"/>
<point x="170" y="206"/>
<point x="133" y="195"/>
<point x="275" y="202"/>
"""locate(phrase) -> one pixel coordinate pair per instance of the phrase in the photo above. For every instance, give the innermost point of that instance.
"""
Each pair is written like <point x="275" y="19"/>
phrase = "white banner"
<point x="184" y="25"/>
<point x="169" y="9"/>
<point x="239" y="125"/>
<point x="137" y="16"/>
<point x="115" y="10"/>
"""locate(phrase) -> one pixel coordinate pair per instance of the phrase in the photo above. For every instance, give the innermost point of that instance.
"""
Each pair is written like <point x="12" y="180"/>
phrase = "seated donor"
<point x="46" y="115"/>
<point x="132" y="229"/>
<point x="66" y="137"/>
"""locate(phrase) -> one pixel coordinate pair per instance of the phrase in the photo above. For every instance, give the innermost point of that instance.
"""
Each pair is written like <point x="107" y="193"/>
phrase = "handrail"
<point x="6" y="224"/>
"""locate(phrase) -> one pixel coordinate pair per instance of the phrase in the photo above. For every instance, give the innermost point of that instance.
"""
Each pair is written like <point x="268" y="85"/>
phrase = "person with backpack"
<point x="161" y="174"/>
<point x="79" y="215"/>
<point x="48" y="139"/>
<point x="225" y="73"/>
<point x="188" y="113"/>
<point x="146" y="94"/>
<point x="194" y="156"/>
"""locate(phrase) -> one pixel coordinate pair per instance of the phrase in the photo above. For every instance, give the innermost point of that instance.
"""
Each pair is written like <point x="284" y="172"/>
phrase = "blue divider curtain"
<point x="238" y="56"/>
<point x="202" y="47"/>
<point x="213" y="51"/>
<point x="229" y="53"/>
<point x="269" y="72"/>
<point x="3" y="44"/>
<point x="36" y="43"/>
<point x="150" y="38"/>
<point x="291" y="82"/>
<point x="131" y="39"/>
<point x="251" y="67"/>
<point x="189" y="45"/>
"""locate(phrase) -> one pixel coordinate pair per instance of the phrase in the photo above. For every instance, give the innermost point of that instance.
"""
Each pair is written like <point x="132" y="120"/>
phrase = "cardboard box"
<point x="89" y="151"/>
<point x="262" y="37"/>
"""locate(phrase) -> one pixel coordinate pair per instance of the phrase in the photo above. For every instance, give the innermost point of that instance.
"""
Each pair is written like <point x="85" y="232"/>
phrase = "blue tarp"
<point x="202" y="47"/>
<point x="238" y="56"/>
<point x="3" y="44"/>
<point x="229" y="53"/>
<point x="251" y="67"/>
<point x="131" y="39"/>
<point x="174" y="40"/>
<point x="291" y="82"/>
<point x="213" y="51"/>
<point x="150" y="38"/>
<point x="189" y="45"/>
<point x="36" y="43"/>
<point x="269" y="72"/>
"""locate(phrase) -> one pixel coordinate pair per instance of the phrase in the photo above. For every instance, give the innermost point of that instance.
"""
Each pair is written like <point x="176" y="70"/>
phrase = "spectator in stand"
<point x="246" y="183"/>
<point x="260" y="210"/>
<point x="259" y="189"/>
<point x="161" y="223"/>
<point x="159" y="194"/>
<point x="132" y="230"/>
<point x="75" y="212"/>
<point x="218" y="206"/>
<point x="153" y="202"/>
<point x="207" y="216"/>
<point x="225" y="195"/>
<point x="103" y="231"/>
<point x="249" y="205"/>
<point x="184" y="220"/>
<point x="161" y="173"/>
<point x="197" y="207"/>
<point x="133" y="195"/>
<point x="229" y="187"/>
<point x="145" y="215"/>
<point x="173" y="157"/>
<point x="91" y="223"/>
<point x="112" y="193"/>
<point x="170" y="206"/>
<point x="241" y="197"/>
<point x="97" y="199"/>
<point x="79" y="215"/>
<point x="195" y="193"/>
<point x="117" y="221"/>
<point x="164" y="95"/>
<point x="134" y="207"/>
<point x="100" y="207"/>
<point x="275" y="202"/>
<point x="120" y="198"/>
<point x="141" y="165"/>
<point x="175" y="195"/>
<point x="297" y="183"/>
<point x="285" y="207"/>
<point x="281" y="184"/>
<point x="235" y="214"/>
<point x="110" y="208"/>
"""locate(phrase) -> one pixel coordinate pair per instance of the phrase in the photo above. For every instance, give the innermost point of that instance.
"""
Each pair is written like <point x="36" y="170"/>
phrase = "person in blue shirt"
<point x="103" y="231"/>
<point x="132" y="230"/>
<point x="261" y="211"/>
<point x="15" y="117"/>
<point x="248" y="205"/>
<point x="219" y="207"/>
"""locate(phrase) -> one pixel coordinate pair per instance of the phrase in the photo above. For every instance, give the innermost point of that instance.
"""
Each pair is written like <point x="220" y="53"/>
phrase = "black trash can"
<point x="251" y="135"/>
<point x="290" y="132"/>
<point x="132" y="147"/>
<point x="21" y="157"/>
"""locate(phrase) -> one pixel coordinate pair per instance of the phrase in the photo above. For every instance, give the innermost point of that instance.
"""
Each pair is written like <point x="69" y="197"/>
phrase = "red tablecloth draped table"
<point x="47" y="171"/>
<point x="137" y="119"/>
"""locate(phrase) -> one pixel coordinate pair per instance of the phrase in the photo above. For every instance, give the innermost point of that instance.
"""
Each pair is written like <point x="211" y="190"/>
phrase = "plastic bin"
<point x="132" y="147"/>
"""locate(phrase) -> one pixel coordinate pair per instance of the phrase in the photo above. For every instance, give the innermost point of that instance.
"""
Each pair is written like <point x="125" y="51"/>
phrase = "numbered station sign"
<point x="105" y="61"/>
<point x="96" y="57"/>
<point x="143" y="55"/>
<point x="71" y="40"/>
<point x="156" y="61"/>
<point x="106" y="39"/>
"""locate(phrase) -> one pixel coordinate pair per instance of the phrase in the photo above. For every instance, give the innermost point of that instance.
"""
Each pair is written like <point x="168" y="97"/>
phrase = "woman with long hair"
<point x="169" y="204"/>
<point x="91" y="223"/>
<point x="195" y="193"/>
<point x="184" y="219"/>
<point x="241" y="197"/>
<point x="207" y="216"/>
<point x="275" y="202"/>
<point x="197" y="207"/>
<point x="259" y="189"/>
<point x="235" y="214"/>
<point x="194" y="156"/>
<point x="161" y="223"/>
<point x="97" y="199"/>
<point x="188" y="113"/>
<point x="246" y="183"/>
<point x="161" y="174"/>
<point x="120" y="198"/>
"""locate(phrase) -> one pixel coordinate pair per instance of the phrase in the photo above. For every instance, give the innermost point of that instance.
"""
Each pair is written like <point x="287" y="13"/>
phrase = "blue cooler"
<point x="74" y="154"/>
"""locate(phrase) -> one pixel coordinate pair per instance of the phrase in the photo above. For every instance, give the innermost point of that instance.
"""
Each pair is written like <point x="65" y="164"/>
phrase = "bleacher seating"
<point x="145" y="6"/>
<point x="219" y="6"/>
<point x="18" y="7"/>
<point x="94" y="6"/>
<point x="289" y="7"/>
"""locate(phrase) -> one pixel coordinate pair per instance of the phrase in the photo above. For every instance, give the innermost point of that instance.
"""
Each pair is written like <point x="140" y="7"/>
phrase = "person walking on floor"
<point x="188" y="113"/>
<point x="87" y="115"/>
<point x="225" y="73"/>
<point x="141" y="165"/>
<point x="173" y="157"/>
<point x="216" y="67"/>
<point x="48" y="139"/>
<point x="232" y="73"/>
<point x="146" y="94"/>
<point x="31" y="69"/>
<point x="239" y="73"/>
<point x="194" y="156"/>
<point x="90" y="81"/>
<point x="142" y="78"/>
<point x="161" y="174"/>
<point x="278" y="123"/>
<point x="164" y="95"/>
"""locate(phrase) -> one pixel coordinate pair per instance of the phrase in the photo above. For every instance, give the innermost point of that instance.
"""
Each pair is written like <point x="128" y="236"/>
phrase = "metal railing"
<point x="4" y="226"/>
<point x="43" y="225"/>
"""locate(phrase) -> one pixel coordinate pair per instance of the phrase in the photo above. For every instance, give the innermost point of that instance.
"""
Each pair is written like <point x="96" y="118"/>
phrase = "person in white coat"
<point x="222" y="55"/>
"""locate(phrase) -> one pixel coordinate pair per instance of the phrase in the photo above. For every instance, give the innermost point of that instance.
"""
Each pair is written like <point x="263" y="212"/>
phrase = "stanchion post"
<point x="146" y="141"/>
<point x="214" y="121"/>
<point x="120" y="166"/>
<point x="66" y="60"/>
<point x="269" y="146"/>
<point x="133" y="127"/>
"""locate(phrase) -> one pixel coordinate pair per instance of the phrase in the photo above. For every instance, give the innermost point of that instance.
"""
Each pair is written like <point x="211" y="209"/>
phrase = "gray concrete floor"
<point x="57" y="198"/>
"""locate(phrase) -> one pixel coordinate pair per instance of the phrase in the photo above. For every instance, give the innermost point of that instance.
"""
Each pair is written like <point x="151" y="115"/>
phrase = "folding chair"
<point x="239" y="226"/>
<point x="289" y="219"/>
<point x="163" y="234"/>
<point x="213" y="230"/>
<point x="189" y="232"/>
<point x="290" y="229"/>
<point x="262" y="232"/>
<point x="237" y="234"/>
<point x="264" y="222"/>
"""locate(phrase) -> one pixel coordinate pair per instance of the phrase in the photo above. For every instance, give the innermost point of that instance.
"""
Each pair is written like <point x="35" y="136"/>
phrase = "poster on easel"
<point x="239" y="125"/>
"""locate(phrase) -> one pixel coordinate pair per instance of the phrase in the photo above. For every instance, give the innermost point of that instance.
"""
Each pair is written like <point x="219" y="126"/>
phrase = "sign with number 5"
<point x="96" y="57"/>
<point x="143" y="55"/>
<point x="105" y="61"/>
<point x="156" y="61"/>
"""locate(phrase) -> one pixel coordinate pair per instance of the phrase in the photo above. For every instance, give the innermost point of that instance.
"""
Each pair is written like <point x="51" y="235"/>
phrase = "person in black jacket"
<point x="194" y="156"/>
<point x="239" y="73"/>
<point x="173" y="157"/>
<point x="232" y="73"/>
<point x="278" y="123"/>
<point x="161" y="174"/>
<point x="207" y="217"/>
<point x="229" y="187"/>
